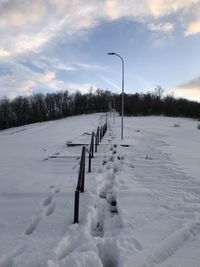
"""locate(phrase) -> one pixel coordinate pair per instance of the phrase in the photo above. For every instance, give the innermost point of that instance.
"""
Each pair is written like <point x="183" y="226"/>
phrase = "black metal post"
<point x="98" y="136"/>
<point x="89" y="163"/>
<point x="92" y="145"/>
<point x="76" y="206"/>
<point x="101" y="133"/>
<point x="96" y="144"/>
<point x="81" y="176"/>
<point x="83" y="172"/>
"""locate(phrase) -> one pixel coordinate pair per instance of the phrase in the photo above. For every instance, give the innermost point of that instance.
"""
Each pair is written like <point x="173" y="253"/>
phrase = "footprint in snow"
<point x="47" y="200"/>
<point x="50" y="209"/>
<point x="33" y="225"/>
<point x="57" y="190"/>
<point x="137" y="244"/>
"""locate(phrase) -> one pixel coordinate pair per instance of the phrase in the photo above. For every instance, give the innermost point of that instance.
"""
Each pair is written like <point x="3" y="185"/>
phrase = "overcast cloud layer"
<point x="33" y="34"/>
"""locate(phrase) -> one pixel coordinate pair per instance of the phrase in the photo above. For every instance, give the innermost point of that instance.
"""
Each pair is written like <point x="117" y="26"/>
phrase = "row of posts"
<point x="95" y="141"/>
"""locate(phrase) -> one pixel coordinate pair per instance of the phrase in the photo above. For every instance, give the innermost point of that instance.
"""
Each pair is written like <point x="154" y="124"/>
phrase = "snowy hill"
<point x="141" y="206"/>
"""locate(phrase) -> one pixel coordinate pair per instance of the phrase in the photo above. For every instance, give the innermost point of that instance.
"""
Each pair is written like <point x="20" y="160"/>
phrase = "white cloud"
<point x="192" y="21"/>
<point x="161" y="8"/>
<point x="29" y="27"/>
<point x="82" y="87"/>
<point x="58" y="64"/>
<point x="26" y="26"/>
<point x="193" y="28"/>
<point x="87" y="66"/>
<point x="20" y="13"/>
<point x="161" y="32"/>
<point x="24" y="81"/>
<point x="161" y="27"/>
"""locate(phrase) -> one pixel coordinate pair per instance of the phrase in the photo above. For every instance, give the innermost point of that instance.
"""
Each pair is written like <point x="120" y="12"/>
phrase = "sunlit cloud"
<point x="161" y="8"/>
<point x="193" y="27"/>
<point x="191" y="19"/>
<point x="24" y="81"/>
<point x="27" y="26"/>
<point x="26" y="87"/>
<point x="37" y="82"/>
<point x="190" y="90"/>
<point x="21" y="13"/>
<point x="31" y="28"/>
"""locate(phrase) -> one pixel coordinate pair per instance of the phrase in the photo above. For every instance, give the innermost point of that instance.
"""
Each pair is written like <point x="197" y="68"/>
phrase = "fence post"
<point x="81" y="176"/>
<point x="83" y="171"/>
<point x="89" y="163"/>
<point x="92" y="145"/>
<point x="76" y="206"/>
<point x="101" y="133"/>
<point x="95" y="143"/>
<point x="98" y="135"/>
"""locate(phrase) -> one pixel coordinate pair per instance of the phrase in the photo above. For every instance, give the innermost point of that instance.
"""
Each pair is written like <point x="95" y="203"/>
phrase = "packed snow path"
<point x="140" y="208"/>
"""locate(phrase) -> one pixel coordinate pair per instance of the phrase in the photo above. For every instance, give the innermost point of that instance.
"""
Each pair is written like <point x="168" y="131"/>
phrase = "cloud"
<point x="161" y="27"/>
<point x="190" y="89"/>
<point x="17" y="13"/>
<point x="87" y="66"/>
<point x="31" y="28"/>
<point x="192" y="21"/>
<point x="161" y="32"/>
<point x="46" y="77"/>
<point x="193" y="28"/>
<point x="161" y="8"/>
<point x="21" y="80"/>
<point x="81" y="87"/>
<point x="27" y="26"/>
<point x="24" y="31"/>
<point x="58" y="64"/>
<point x="111" y="83"/>
<point x="192" y="83"/>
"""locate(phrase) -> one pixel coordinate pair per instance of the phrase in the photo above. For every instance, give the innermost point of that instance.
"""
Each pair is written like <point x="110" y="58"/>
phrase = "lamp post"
<point x="122" y="112"/>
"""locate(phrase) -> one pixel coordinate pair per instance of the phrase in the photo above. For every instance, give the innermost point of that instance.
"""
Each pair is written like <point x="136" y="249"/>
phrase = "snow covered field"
<point x="141" y="206"/>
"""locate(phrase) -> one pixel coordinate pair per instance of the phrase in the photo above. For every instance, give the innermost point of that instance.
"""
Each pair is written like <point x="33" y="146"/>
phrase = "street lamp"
<point x="122" y="120"/>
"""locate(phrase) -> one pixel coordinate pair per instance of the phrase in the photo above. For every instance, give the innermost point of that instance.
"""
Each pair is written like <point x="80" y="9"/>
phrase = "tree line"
<point x="43" y="107"/>
<point x="157" y="103"/>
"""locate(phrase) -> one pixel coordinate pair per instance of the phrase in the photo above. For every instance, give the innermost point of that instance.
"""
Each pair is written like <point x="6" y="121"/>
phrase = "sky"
<point x="52" y="45"/>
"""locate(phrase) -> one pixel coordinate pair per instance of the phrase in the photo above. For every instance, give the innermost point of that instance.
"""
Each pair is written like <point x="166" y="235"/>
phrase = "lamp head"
<point x="111" y="53"/>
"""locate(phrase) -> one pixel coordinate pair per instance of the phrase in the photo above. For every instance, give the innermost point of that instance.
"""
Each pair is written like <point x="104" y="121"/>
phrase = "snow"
<point x="141" y="205"/>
